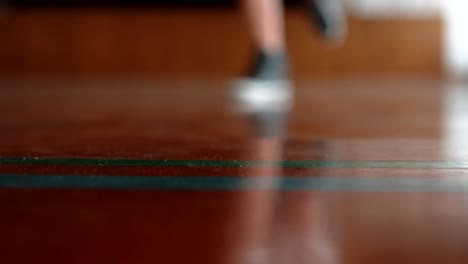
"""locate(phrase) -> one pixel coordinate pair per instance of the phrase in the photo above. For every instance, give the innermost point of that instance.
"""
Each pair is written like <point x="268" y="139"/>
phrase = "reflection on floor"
<point x="158" y="170"/>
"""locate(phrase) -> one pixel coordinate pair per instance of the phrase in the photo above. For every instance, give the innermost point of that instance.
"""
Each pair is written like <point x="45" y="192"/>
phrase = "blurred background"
<point x="209" y="38"/>
<point x="139" y="89"/>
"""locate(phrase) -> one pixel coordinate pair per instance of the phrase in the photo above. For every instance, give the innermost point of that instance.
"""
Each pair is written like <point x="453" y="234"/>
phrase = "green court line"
<point x="168" y="183"/>
<point x="234" y="163"/>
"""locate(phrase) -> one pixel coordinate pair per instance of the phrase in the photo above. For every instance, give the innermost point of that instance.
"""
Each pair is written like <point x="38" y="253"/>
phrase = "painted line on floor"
<point x="196" y="183"/>
<point x="233" y="163"/>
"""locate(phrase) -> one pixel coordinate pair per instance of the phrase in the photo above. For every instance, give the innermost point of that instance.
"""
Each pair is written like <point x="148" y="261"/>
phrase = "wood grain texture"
<point x="204" y="42"/>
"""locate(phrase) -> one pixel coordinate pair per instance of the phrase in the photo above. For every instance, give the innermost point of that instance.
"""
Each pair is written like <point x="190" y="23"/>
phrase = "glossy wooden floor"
<point x="146" y="170"/>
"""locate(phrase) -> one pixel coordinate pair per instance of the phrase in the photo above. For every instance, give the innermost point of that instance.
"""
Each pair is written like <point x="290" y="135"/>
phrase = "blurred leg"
<point x="266" y="21"/>
<point x="265" y="85"/>
<point x="330" y="19"/>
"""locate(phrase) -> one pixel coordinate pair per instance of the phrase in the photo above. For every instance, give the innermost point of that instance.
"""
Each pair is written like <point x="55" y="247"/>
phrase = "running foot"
<point x="266" y="87"/>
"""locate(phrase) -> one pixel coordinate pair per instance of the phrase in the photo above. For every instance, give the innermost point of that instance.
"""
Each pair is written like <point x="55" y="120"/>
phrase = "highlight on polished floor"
<point x="107" y="156"/>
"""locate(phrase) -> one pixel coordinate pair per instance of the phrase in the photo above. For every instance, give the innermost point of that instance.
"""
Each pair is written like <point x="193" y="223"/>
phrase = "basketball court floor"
<point x="150" y="170"/>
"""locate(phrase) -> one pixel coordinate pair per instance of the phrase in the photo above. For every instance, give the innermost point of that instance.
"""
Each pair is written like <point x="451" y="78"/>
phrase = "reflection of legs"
<point x="303" y="235"/>
<point x="256" y="208"/>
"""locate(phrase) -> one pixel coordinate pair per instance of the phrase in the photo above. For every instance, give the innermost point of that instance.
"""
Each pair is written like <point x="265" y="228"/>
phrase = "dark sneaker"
<point x="329" y="17"/>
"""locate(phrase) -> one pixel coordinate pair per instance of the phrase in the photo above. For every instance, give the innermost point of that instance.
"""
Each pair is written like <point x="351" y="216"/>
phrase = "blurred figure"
<point x="266" y="84"/>
<point x="265" y="95"/>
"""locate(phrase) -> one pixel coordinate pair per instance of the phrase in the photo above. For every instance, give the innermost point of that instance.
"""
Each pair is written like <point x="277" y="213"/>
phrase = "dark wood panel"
<point x="129" y="3"/>
<point x="203" y="41"/>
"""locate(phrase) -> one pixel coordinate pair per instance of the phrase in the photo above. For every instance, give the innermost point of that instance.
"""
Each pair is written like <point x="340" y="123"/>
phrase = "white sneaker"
<point x="262" y="95"/>
<point x="266" y="87"/>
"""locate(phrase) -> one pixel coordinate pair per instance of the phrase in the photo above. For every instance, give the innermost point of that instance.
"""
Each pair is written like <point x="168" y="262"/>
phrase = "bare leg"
<point x="265" y="85"/>
<point x="266" y="20"/>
